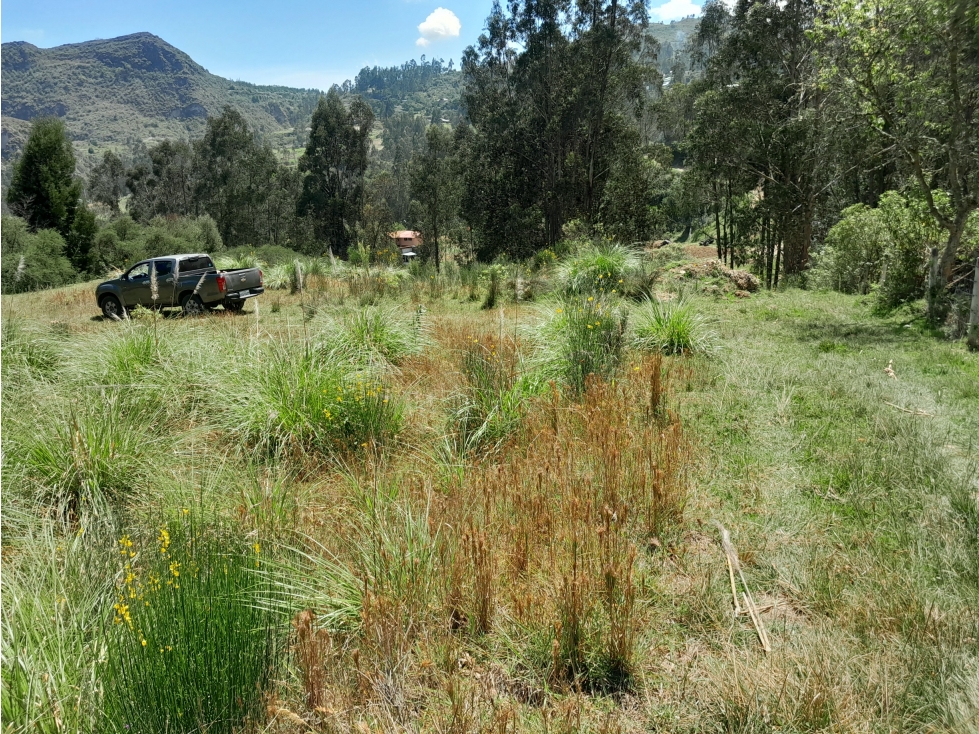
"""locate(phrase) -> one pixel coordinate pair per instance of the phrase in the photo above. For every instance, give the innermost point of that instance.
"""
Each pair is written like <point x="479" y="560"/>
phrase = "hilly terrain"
<point x="137" y="87"/>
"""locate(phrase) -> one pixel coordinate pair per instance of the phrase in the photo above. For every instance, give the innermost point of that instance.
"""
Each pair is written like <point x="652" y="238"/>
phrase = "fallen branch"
<point x="735" y="565"/>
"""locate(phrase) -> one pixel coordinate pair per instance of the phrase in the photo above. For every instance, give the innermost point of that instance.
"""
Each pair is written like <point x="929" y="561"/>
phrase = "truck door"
<point x="136" y="285"/>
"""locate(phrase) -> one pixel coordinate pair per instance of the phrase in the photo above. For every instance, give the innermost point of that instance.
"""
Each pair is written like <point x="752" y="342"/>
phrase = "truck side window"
<point x="139" y="272"/>
<point x="195" y="263"/>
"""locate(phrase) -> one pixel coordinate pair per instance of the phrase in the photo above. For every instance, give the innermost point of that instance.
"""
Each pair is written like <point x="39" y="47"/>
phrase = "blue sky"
<point x="298" y="44"/>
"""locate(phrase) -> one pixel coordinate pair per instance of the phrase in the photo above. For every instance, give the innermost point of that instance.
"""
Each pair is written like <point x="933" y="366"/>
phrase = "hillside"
<point x="137" y="87"/>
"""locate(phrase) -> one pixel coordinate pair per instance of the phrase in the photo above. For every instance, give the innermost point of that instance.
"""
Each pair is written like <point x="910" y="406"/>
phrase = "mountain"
<point x="138" y="87"/>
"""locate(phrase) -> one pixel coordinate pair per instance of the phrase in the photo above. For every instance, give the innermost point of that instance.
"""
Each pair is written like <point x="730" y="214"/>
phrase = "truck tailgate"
<point x="244" y="279"/>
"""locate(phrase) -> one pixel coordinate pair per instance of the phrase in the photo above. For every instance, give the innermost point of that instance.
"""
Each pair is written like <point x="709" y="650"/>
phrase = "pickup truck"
<point x="188" y="281"/>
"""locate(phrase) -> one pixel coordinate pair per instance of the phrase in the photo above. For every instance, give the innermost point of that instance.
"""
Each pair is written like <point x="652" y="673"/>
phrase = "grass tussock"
<point x="671" y="327"/>
<point x="308" y="402"/>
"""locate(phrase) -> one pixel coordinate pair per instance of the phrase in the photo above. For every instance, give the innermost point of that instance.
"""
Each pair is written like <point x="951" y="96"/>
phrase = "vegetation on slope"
<point x="540" y="561"/>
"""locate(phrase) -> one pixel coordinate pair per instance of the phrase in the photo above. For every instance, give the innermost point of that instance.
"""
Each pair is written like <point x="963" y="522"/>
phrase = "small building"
<point x="406" y="240"/>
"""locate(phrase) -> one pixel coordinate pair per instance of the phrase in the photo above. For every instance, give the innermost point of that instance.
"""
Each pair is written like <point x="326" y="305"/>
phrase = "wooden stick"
<point x="734" y="563"/>
<point x="912" y="412"/>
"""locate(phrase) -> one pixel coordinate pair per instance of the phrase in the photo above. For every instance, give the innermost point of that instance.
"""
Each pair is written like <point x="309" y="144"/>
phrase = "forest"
<point x="773" y="137"/>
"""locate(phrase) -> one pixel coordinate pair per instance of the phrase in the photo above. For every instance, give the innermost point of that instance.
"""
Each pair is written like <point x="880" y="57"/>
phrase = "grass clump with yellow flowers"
<point x="194" y="642"/>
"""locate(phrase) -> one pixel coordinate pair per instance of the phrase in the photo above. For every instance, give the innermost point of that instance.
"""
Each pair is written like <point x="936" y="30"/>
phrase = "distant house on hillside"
<point x="406" y="240"/>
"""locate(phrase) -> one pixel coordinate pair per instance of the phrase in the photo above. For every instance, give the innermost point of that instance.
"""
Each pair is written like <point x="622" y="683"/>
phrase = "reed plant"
<point x="194" y="644"/>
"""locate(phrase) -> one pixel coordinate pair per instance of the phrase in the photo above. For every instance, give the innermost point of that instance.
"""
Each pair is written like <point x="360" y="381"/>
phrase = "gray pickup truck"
<point x="188" y="281"/>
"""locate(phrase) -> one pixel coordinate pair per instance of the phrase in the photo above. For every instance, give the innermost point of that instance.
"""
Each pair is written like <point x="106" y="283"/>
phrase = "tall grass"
<point x="671" y="327"/>
<point x="495" y="399"/>
<point x="90" y="453"/>
<point x="579" y="336"/>
<point x="303" y="402"/>
<point x="54" y="587"/>
<point x="377" y="337"/>
<point x="194" y="643"/>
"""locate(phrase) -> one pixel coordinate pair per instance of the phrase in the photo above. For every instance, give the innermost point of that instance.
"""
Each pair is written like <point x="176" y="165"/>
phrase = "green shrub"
<point x="850" y="260"/>
<point x="580" y="336"/>
<point x="882" y="250"/>
<point x="194" y="644"/>
<point x="671" y="327"/>
<point x="33" y="261"/>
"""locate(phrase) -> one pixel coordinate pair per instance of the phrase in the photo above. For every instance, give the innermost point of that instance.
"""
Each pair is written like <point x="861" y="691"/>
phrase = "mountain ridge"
<point x="131" y="88"/>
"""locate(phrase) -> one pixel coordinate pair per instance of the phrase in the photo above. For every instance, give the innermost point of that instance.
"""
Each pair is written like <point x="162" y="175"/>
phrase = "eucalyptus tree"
<point x="760" y="132"/>
<point x="909" y="69"/>
<point x="435" y="186"/>
<point x="333" y="165"/>
<point x="553" y="90"/>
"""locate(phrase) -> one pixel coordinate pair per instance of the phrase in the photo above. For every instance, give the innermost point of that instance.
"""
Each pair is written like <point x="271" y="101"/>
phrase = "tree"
<point x="553" y="90"/>
<point x="235" y="177"/>
<point x="43" y="189"/>
<point x="910" y="70"/>
<point x="760" y="137"/>
<point x="334" y="164"/>
<point x="434" y="185"/>
<point x="163" y="182"/>
<point x="107" y="181"/>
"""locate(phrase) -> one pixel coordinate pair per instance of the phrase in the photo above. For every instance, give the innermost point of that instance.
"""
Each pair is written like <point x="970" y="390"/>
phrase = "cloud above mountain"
<point x="438" y="26"/>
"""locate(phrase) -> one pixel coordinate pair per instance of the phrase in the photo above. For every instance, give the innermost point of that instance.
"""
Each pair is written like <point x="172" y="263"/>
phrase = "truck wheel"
<point x="234" y="306"/>
<point x="112" y="309"/>
<point x="192" y="305"/>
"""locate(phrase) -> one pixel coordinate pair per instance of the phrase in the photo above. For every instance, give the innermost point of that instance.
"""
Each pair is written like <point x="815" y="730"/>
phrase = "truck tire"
<point x="234" y="306"/>
<point x="112" y="309"/>
<point x="192" y="305"/>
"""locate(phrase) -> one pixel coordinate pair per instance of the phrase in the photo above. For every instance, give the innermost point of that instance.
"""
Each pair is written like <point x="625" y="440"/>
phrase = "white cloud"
<point x="674" y="10"/>
<point x="438" y="26"/>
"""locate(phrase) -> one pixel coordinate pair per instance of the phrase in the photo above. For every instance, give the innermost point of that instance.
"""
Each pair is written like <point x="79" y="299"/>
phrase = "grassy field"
<point x="380" y="507"/>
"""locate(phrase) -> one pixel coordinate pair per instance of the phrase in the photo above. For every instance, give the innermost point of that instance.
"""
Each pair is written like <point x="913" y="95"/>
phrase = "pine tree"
<point x="43" y="189"/>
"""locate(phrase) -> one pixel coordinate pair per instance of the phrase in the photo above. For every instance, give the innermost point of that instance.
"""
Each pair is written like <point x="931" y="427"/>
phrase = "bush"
<point x="194" y="645"/>
<point x="33" y="261"/>
<point x="671" y="327"/>
<point x="851" y="258"/>
<point x="882" y="250"/>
